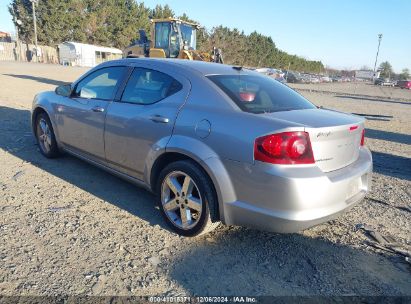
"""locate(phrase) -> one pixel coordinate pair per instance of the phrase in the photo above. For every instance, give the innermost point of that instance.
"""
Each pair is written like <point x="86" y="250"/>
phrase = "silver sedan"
<point x="215" y="143"/>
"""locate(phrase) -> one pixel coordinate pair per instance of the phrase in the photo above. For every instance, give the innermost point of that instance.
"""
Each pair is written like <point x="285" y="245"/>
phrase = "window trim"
<point x="123" y="88"/>
<point x="116" y="88"/>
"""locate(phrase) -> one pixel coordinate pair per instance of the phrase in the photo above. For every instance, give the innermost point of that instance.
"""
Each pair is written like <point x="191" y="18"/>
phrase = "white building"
<point x="367" y="75"/>
<point x="86" y="55"/>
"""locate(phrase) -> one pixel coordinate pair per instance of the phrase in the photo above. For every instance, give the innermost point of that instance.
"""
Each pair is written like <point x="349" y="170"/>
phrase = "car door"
<point x="142" y="116"/>
<point x="80" y="118"/>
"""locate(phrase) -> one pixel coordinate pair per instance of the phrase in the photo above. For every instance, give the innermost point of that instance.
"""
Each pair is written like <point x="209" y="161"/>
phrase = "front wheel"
<point x="185" y="194"/>
<point x="45" y="136"/>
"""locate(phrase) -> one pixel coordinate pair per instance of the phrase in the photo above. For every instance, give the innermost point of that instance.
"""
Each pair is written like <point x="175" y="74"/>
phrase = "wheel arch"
<point x="212" y="166"/>
<point x="41" y="107"/>
<point x="36" y="111"/>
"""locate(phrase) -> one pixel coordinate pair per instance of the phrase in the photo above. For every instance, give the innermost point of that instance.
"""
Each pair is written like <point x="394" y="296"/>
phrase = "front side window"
<point x="260" y="94"/>
<point x="148" y="86"/>
<point x="101" y="84"/>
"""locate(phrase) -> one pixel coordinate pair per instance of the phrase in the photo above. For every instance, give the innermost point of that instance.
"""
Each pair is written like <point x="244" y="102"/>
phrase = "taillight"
<point x="363" y="137"/>
<point x="284" y="148"/>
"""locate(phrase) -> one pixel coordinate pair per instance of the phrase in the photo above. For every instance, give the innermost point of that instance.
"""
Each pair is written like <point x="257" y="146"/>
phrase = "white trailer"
<point x="86" y="55"/>
<point x="369" y="75"/>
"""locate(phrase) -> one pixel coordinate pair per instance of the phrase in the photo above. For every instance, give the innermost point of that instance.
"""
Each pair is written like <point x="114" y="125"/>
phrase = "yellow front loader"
<point x="171" y="38"/>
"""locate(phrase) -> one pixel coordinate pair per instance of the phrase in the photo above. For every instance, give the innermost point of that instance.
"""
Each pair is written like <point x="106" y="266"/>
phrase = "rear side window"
<point x="148" y="86"/>
<point x="260" y="94"/>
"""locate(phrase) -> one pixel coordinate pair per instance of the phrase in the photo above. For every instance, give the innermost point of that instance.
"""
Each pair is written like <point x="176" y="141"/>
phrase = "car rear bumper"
<point x="288" y="199"/>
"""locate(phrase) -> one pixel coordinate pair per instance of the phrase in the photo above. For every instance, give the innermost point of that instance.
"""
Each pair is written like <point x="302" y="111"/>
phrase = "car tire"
<point x="184" y="195"/>
<point x="45" y="137"/>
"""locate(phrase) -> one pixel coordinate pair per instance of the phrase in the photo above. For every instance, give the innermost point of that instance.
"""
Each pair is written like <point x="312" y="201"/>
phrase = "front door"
<point x="80" y="118"/>
<point x="143" y="116"/>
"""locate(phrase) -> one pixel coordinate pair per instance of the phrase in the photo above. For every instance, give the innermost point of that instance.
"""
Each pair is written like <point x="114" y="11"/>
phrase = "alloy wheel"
<point x="181" y="200"/>
<point x="44" y="135"/>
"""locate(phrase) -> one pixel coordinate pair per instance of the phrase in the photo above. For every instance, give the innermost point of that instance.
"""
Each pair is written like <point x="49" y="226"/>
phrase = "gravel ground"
<point x="68" y="228"/>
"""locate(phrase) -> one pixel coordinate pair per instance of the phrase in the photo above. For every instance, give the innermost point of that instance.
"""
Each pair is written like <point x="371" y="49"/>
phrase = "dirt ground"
<point x="68" y="228"/>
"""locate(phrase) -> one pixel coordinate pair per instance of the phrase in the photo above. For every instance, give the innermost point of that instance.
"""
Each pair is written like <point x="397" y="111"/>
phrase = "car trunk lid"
<point x="335" y="137"/>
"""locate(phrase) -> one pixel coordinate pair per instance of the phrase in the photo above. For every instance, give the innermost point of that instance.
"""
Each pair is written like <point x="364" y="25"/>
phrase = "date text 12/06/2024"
<point x="233" y="299"/>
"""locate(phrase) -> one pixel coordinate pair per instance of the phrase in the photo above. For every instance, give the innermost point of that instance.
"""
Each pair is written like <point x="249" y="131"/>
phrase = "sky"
<point x="342" y="34"/>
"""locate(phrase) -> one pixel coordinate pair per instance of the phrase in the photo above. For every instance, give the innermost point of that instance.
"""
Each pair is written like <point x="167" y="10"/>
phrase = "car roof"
<point x="202" y="67"/>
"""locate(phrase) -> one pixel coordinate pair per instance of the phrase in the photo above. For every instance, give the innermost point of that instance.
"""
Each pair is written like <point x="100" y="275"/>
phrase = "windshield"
<point x="189" y="34"/>
<point x="260" y="94"/>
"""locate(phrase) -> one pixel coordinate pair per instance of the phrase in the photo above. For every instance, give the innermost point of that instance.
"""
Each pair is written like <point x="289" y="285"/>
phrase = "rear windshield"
<point x="260" y="94"/>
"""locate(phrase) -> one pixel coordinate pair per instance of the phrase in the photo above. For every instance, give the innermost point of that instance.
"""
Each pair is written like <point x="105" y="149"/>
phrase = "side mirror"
<point x="63" y="90"/>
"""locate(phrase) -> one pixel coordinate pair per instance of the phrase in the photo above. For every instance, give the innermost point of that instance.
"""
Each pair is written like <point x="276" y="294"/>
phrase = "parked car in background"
<point x="213" y="142"/>
<point x="384" y="82"/>
<point x="310" y="78"/>
<point x="404" y="84"/>
<point x="314" y="79"/>
<point x="273" y="73"/>
<point x="293" y="77"/>
<point x="305" y="78"/>
<point x="325" y="79"/>
<point x="281" y="79"/>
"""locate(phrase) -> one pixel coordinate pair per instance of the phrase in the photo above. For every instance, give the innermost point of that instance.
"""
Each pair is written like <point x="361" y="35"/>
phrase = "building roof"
<point x="94" y="47"/>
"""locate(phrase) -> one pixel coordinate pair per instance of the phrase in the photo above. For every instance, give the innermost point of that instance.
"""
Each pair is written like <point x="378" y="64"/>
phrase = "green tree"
<point x="386" y="69"/>
<point x="405" y="74"/>
<point x="21" y="11"/>
<point x="256" y="50"/>
<point x="106" y="22"/>
<point x="162" y="12"/>
<point x="55" y="22"/>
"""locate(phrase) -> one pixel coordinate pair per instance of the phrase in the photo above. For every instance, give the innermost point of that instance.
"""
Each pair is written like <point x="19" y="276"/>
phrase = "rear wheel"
<point x="185" y="194"/>
<point x="45" y="136"/>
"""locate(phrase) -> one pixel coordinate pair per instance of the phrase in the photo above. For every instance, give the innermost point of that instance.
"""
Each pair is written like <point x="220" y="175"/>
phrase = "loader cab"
<point x="170" y="36"/>
<point x="166" y="37"/>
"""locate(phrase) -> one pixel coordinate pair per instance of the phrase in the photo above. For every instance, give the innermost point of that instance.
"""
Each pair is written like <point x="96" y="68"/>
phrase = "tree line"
<point x="386" y="71"/>
<point x="116" y="23"/>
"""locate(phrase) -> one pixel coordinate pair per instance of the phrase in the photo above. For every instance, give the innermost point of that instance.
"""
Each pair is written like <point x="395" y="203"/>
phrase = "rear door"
<point x="143" y="115"/>
<point x="80" y="117"/>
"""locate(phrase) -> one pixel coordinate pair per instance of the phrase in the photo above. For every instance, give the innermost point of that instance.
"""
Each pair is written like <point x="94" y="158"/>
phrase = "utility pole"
<point x="378" y="50"/>
<point x="33" y="5"/>
<point x="17" y="22"/>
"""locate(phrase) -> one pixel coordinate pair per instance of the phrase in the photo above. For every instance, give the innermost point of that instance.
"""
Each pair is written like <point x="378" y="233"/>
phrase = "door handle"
<point x="159" y="118"/>
<point x="97" y="109"/>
